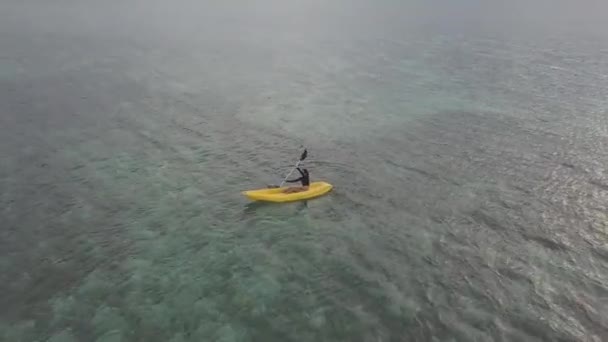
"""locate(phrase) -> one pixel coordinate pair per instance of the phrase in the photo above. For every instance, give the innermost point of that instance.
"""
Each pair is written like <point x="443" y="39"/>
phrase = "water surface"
<point x="466" y="143"/>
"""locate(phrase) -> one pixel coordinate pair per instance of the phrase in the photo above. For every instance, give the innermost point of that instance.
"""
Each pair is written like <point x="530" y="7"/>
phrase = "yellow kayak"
<point x="316" y="189"/>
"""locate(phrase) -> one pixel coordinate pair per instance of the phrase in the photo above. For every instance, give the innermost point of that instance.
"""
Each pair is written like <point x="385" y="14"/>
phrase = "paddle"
<point x="302" y="157"/>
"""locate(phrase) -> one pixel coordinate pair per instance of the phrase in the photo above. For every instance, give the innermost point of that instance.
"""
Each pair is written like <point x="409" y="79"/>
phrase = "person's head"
<point x="305" y="171"/>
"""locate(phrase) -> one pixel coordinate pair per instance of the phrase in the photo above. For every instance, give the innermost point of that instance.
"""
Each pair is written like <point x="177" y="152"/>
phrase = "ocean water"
<point x="467" y="143"/>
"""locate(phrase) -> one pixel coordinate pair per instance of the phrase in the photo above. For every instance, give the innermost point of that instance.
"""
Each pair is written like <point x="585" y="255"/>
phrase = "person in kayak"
<point x="304" y="179"/>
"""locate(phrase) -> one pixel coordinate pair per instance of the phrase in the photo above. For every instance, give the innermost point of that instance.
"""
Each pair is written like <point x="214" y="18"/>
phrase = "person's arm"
<point x="293" y="180"/>
<point x="300" y="171"/>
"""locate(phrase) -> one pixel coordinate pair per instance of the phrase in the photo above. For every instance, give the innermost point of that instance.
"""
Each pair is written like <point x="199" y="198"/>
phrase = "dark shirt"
<point x="305" y="179"/>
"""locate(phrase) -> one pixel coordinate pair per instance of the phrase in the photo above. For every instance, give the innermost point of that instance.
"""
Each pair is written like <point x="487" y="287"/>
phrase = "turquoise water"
<point x="466" y="143"/>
